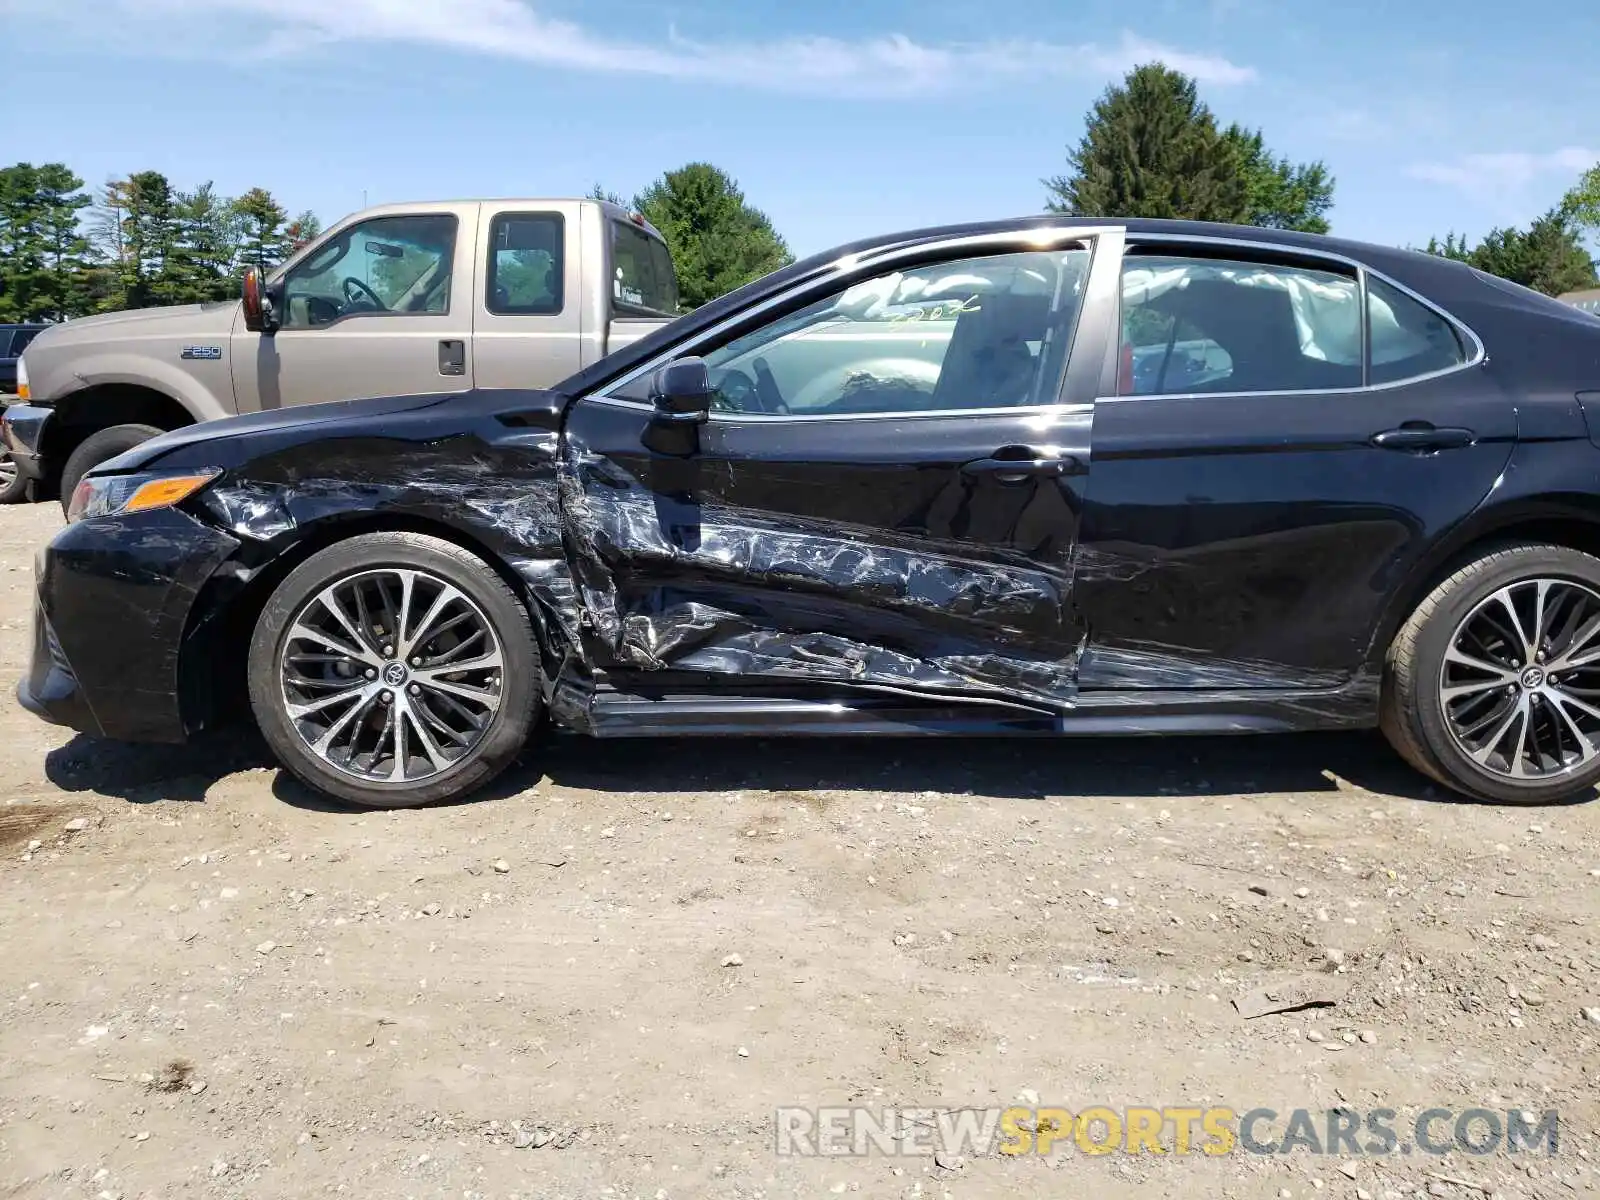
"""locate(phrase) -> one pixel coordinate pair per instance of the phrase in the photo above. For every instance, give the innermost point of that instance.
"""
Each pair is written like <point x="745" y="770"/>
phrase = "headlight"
<point x="23" y="392"/>
<point x="107" y="495"/>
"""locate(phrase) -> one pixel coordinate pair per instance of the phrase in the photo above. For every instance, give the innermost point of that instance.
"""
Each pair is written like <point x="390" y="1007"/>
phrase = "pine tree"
<point x="1152" y="149"/>
<point x="150" y="233"/>
<point x="264" y="241"/>
<point x="718" y="241"/>
<point x="22" y="243"/>
<point x="66" y="250"/>
<point x="207" y="245"/>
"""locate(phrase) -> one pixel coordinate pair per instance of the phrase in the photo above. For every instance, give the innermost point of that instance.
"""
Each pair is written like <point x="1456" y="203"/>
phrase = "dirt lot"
<point x="604" y="978"/>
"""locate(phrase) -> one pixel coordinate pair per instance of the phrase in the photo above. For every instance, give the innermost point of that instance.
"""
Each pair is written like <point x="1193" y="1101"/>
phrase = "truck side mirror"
<point x="260" y="315"/>
<point x="681" y="392"/>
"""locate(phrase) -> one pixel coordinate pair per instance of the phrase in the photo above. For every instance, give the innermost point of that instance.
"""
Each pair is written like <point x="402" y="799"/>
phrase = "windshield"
<point x="643" y="282"/>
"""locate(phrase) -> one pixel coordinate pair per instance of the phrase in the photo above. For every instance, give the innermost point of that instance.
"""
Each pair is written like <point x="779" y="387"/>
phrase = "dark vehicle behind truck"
<point x="13" y="340"/>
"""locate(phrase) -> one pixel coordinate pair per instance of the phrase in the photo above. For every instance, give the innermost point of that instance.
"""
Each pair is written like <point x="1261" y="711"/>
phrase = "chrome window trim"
<point x="1104" y="245"/>
<point x="1470" y="339"/>
<point x="1057" y="409"/>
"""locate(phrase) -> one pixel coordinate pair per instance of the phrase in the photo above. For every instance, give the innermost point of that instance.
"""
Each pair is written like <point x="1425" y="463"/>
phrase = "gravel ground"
<point x="604" y="977"/>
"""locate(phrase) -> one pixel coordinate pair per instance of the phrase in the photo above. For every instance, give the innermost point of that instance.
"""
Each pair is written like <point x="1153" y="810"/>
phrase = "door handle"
<point x="1420" y="436"/>
<point x="1017" y="464"/>
<point x="452" y="357"/>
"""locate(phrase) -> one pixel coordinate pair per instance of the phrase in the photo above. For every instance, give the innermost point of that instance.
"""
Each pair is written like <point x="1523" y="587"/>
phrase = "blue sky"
<point x="841" y="118"/>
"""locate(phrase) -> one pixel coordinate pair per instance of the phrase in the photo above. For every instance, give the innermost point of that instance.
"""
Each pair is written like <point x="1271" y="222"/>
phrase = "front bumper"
<point x="116" y="602"/>
<point x="24" y="426"/>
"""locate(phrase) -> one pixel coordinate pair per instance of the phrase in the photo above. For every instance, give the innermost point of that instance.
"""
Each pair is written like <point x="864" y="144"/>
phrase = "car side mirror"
<point x="260" y="313"/>
<point x="681" y="392"/>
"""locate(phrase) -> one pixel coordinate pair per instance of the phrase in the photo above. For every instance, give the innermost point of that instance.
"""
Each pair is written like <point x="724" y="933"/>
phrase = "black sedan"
<point x="1042" y="476"/>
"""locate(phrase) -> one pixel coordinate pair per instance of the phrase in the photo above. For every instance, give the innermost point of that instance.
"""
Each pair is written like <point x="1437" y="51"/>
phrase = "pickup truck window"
<point x="526" y="265"/>
<point x="388" y="266"/>
<point x="643" y="282"/>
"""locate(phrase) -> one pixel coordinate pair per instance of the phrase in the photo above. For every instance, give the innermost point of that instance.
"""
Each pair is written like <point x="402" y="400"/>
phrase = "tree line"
<point x="133" y="243"/>
<point x="1150" y="148"/>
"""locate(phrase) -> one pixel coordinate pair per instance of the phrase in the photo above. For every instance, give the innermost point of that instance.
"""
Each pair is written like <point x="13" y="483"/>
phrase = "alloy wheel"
<point x="1520" y="684"/>
<point x="392" y="675"/>
<point x="8" y="470"/>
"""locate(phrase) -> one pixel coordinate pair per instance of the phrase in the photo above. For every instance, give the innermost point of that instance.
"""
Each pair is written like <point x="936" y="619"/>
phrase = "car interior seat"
<point x="990" y="362"/>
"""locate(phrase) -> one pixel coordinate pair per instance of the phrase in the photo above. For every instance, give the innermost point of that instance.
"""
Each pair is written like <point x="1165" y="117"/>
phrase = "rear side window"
<point x="526" y="264"/>
<point x="1408" y="339"/>
<point x="1196" y="325"/>
<point x="643" y="282"/>
<point x="20" y="340"/>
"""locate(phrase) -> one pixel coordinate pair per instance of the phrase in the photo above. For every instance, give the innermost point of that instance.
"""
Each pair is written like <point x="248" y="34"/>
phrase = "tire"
<point x="100" y="446"/>
<point x="1437" y="737"/>
<point x="13" y="485"/>
<point x="359" y="772"/>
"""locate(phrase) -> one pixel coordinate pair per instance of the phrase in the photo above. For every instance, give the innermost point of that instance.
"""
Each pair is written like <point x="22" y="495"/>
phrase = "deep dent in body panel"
<point x="721" y="620"/>
<point x="558" y="519"/>
<point x="504" y="498"/>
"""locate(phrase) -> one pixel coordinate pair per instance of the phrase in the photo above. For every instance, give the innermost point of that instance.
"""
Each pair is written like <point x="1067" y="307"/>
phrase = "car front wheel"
<point x="1493" y="685"/>
<point x="394" y="670"/>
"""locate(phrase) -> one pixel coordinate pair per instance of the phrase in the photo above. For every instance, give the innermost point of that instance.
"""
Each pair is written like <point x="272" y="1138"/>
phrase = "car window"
<point x="526" y="265"/>
<point x="990" y="332"/>
<point x="20" y="340"/>
<point x="643" y="281"/>
<point x="1225" y="325"/>
<point x="388" y="266"/>
<point x="1408" y="338"/>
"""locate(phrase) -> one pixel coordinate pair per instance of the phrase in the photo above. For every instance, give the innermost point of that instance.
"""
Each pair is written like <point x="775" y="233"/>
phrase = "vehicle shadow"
<point x="1017" y="768"/>
<point x="145" y="774"/>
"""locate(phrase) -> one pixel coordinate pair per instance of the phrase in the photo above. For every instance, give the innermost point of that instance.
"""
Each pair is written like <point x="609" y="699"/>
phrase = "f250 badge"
<point x="208" y="353"/>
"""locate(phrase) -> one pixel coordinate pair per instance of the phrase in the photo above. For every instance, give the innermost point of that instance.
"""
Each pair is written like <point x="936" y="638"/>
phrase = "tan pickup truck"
<point x="398" y="300"/>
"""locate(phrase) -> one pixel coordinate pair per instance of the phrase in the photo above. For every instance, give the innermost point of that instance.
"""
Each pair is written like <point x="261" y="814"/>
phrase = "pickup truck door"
<point x="534" y="321"/>
<point x="886" y="494"/>
<point x="381" y="306"/>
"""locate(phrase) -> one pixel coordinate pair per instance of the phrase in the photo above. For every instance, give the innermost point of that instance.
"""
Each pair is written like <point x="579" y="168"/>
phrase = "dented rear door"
<point x="908" y="522"/>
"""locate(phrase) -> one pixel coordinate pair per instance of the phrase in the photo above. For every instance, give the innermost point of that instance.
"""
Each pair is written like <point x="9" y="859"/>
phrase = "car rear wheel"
<point x="1493" y="686"/>
<point x="100" y="446"/>
<point x="394" y="670"/>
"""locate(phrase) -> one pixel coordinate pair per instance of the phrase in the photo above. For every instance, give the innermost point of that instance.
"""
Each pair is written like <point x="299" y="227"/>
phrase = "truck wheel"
<point x="13" y="487"/>
<point x="393" y="670"/>
<point x="97" y="448"/>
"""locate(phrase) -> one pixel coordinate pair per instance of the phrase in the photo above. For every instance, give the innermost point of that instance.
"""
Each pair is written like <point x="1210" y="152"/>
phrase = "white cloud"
<point x="888" y="65"/>
<point x="1505" y="177"/>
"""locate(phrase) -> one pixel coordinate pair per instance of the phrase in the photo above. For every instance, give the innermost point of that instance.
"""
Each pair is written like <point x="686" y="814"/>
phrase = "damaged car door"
<point x="885" y="491"/>
<point x="1287" y="435"/>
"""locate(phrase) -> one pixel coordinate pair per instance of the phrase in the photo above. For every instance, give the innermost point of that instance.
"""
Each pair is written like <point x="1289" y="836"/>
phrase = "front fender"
<point x="497" y="498"/>
<point x="206" y="394"/>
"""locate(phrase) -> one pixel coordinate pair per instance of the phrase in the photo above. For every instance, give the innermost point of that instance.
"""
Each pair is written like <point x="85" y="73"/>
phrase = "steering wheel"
<point x="736" y="392"/>
<point x="767" y="393"/>
<point x="355" y="291"/>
